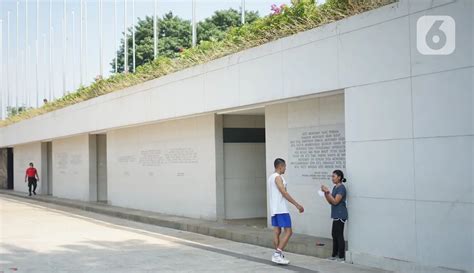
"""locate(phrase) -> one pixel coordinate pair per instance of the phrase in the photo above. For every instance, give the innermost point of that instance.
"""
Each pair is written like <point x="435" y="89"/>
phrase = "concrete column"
<point x="220" y="190"/>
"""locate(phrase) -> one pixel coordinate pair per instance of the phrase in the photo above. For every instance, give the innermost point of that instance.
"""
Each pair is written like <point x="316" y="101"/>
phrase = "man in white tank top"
<point x="278" y="197"/>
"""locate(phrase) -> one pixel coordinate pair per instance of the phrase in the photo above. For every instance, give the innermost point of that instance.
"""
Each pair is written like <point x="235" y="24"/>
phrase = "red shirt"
<point x="31" y="172"/>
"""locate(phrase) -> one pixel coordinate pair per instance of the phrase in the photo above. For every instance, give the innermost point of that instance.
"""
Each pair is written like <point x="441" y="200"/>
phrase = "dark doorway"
<point x="10" y="168"/>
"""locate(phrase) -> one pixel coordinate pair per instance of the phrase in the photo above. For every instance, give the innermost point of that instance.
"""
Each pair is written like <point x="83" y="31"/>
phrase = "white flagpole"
<point x="73" y="50"/>
<point x="65" y="45"/>
<point x="17" y="61"/>
<point x="25" y="91"/>
<point x="193" y="23"/>
<point x="133" y="35"/>
<point x="81" y="55"/>
<point x="115" y="35"/>
<point x="37" y="52"/>
<point x="50" y="50"/>
<point x="155" y="34"/>
<point x="100" y="40"/>
<point x="23" y="84"/>
<point x="242" y="12"/>
<point x="125" y="43"/>
<point x="8" y="59"/>
<point x="45" y="90"/>
<point x="85" y="38"/>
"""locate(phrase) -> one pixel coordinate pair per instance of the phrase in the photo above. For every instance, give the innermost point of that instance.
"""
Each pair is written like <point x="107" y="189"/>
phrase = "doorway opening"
<point x="47" y="168"/>
<point x="10" y="170"/>
<point x="6" y="168"/>
<point x="101" y="168"/>
<point x="245" y="194"/>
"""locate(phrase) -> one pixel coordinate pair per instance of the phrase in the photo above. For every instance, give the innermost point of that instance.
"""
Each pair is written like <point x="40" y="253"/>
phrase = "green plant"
<point x="302" y="15"/>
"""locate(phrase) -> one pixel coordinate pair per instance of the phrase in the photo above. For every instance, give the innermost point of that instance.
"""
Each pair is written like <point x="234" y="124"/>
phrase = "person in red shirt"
<point x="32" y="177"/>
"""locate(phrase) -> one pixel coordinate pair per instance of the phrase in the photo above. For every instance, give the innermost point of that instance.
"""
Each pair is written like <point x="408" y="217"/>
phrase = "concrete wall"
<point x="71" y="168"/>
<point x="244" y="169"/>
<point x="167" y="167"/>
<point x="23" y="155"/>
<point x="282" y="120"/>
<point x="413" y="173"/>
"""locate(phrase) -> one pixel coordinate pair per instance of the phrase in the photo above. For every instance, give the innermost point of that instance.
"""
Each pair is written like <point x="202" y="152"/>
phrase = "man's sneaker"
<point x="332" y="258"/>
<point x="34" y="193"/>
<point x="279" y="259"/>
<point x="341" y="260"/>
<point x="30" y="194"/>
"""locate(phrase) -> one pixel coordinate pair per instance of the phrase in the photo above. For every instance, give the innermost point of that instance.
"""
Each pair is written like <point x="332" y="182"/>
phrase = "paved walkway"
<point x="42" y="237"/>
<point x="300" y="243"/>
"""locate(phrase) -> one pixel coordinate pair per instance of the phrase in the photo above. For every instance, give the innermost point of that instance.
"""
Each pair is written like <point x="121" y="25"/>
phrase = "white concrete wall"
<point x="280" y="120"/>
<point x="71" y="167"/>
<point x="144" y="174"/>
<point x="244" y="172"/>
<point x="23" y="155"/>
<point x="409" y="158"/>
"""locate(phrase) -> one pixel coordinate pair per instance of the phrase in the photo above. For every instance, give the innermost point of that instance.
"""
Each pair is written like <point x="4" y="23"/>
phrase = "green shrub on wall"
<point x="302" y="15"/>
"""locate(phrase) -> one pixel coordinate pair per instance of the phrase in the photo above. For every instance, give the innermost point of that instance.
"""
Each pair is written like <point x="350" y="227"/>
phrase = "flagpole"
<point x="22" y="53"/>
<point x="81" y="56"/>
<point x="133" y="33"/>
<point x="155" y="34"/>
<point x="17" y="56"/>
<point x="73" y="50"/>
<point x="125" y="42"/>
<point x="25" y="91"/>
<point x="65" y="45"/>
<point x="101" y="40"/>
<point x="50" y="49"/>
<point x="8" y="59"/>
<point x="242" y="12"/>
<point x="115" y="36"/>
<point x="37" y="52"/>
<point x="85" y="38"/>
<point x="193" y="23"/>
<point x="45" y="90"/>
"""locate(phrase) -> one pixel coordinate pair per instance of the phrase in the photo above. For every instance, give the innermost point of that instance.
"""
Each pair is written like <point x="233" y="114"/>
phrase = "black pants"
<point x="32" y="183"/>
<point x="338" y="243"/>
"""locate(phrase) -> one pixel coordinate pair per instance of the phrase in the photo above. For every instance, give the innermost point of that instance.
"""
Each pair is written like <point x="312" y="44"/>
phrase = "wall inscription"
<point x="314" y="152"/>
<point x="159" y="157"/>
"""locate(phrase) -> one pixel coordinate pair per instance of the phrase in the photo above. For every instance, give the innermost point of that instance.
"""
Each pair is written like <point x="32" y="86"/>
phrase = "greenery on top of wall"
<point x="302" y="15"/>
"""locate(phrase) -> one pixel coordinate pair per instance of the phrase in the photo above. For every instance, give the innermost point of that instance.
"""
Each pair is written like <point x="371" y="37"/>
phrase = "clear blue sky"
<point x="182" y="8"/>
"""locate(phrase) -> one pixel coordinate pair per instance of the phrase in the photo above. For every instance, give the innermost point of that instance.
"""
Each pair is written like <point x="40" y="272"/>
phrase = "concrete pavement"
<point x="40" y="237"/>
<point x="300" y="243"/>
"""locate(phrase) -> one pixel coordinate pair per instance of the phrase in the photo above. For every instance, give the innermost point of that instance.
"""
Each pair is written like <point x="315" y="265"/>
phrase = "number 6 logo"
<point x="435" y="35"/>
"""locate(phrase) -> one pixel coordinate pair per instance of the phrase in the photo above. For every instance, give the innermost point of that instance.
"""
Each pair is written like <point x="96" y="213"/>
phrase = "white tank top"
<point x="276" y="199"/>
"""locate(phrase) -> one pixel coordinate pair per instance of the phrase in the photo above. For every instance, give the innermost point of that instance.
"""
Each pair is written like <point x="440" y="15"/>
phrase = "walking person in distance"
<point x="32" y="177"/>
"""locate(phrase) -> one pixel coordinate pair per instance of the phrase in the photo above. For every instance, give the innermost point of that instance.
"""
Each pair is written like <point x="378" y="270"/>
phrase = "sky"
<point x="27" y="56"/>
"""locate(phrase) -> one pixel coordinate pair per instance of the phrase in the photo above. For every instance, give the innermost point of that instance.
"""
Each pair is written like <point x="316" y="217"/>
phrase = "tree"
<point x="174" y="35"/>
<point x="216" y="26"/>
